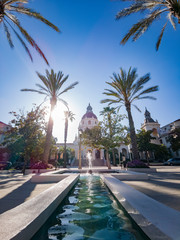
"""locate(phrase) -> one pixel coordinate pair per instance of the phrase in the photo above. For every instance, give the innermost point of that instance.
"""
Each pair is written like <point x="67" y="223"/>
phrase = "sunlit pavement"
<point x="163" y="186"/>
<point x="16" y="189"/>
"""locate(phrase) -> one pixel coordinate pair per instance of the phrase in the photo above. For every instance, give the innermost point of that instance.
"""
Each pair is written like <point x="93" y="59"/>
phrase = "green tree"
<point x="52" y="89"/>
<point x="68" y="116"/>
<point x="127" y="89"/>
<point x="9" y="9"/>
<point x="161" y="152"/>
<point x="111" y="121"/>
<point x="155" y="10"/>
<point x="174" y="139"/>
<point x="144" y="142"/>
<point x="99" y="136"/>
<point x="26" y="137"/>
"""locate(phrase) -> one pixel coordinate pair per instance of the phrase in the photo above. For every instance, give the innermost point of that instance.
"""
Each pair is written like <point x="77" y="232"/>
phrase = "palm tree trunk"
<point x="114" y="159"/>
<point x="132" y="134"/>
<point x="107" y="159"/>
<point x="65" y="140"/>
<point x="49" y="134"/>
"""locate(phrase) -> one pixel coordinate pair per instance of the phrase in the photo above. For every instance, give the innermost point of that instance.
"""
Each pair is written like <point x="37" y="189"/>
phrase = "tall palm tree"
<point x="155" y="10"/>
<point x="127" y="89"/>
<point x="68" y="116"/>
<point x="8" y="11"/>
<point x="52" y="89"/>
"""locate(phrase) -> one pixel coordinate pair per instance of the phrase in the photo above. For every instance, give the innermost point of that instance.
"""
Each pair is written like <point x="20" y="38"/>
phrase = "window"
<point x="89" y="122"/>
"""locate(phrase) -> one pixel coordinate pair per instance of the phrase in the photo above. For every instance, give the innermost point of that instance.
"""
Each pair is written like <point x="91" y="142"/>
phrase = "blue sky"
<point x="88" y="49"/>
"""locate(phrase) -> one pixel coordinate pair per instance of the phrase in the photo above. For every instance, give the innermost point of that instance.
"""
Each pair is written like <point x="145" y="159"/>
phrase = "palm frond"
<point x="68" y="88"/>
<point x="110" y="101"/>
<point x="42" y="88"/>
<point x="63" y="101"/>
<point x="147" y="97"/>
<point x="136" y="107"/>
<point x="148" y="90"/>
<point x="32" y="13"/>
<point x="21" y="40"/>
<point x="8" y="35"/>
<point x="172" y="20"/>
<point x="160" y="37"/>
<point x="32" y="90"/>
<point x="138" y="6"/>
<point x="27" y="36"/>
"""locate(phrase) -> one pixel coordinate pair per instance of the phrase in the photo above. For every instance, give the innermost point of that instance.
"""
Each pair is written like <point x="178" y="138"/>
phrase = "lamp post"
<point x="80" y="162"/>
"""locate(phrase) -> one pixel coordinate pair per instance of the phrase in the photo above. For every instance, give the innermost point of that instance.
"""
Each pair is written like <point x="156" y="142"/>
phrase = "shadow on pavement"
<point x="16" y="197"/>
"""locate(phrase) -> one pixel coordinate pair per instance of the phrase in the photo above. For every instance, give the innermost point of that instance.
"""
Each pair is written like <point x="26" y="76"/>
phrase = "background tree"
<point x="8" y="18"/>
<point x="126" y="89"/>
<point x="161" y="152"/>
<point x="26" y="137"/>
<point x="99" y="136"/>
<point x="52" y="89"/>
<point x="68" y="116"/>
<point x="112" y="122"/>
<point x="174" y="139"/>
<point x="144" y="142"/>
<point x="155" y="10"/>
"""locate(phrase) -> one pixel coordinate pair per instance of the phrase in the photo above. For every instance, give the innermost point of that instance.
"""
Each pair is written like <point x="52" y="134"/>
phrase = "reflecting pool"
<point x="89" y="212"/>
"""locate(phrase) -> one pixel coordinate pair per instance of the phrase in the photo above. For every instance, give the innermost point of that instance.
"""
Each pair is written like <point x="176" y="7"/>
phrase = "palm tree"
<point x="8" y="10"/>
<point x="68" y="116"/>
<point x="155" y="10"/>
<point x="126" y="89"/>
<point x="51" y="88"/>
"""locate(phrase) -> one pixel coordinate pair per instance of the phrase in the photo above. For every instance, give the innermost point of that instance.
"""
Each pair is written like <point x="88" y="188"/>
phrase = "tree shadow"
<point x="16" y="197"/>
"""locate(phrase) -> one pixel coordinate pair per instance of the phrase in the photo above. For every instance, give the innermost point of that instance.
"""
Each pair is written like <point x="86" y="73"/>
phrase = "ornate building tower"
<point x="89" y="120"/>
<point x="150" y="125"/>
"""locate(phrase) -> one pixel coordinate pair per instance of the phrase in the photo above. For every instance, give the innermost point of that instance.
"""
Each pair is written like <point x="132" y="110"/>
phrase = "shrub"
<point x="41" y="165"/>
<point x="137" y="164"/>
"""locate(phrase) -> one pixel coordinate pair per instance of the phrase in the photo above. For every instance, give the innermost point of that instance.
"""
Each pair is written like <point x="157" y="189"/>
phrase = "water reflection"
<point x="90" y="212"/>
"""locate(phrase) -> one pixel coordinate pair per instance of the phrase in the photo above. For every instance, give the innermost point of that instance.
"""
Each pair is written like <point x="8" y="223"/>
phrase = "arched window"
<point x="89" y="122"/>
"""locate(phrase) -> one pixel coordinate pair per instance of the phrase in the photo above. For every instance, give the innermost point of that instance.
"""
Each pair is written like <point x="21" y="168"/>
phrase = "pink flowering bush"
<point x="137" y="164"/>
<point x="41" y="165"/>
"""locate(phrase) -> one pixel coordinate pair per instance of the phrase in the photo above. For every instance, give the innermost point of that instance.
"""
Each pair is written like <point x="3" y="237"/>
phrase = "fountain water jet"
<point x="89" y="158"/>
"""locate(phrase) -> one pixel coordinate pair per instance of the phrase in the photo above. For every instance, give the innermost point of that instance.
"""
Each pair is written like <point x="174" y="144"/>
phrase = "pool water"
<point x="89" y="212"/>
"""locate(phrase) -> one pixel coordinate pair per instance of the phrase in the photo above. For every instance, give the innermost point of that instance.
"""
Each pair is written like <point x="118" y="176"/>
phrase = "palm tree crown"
<point x="8" y="10"/>
<point x="154" y="11"/>
<point x="127" y="89"/>
<point x="51" y="88"/>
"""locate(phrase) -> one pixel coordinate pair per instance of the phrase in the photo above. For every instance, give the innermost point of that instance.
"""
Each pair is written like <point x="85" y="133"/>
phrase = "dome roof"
<point x="89" y="113"/>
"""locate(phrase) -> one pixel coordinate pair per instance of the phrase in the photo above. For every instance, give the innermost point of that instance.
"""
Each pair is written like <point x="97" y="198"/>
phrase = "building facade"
<point x="4" y="156"/>
<point x="161" y="134"/>
<point x="90" y="120"/>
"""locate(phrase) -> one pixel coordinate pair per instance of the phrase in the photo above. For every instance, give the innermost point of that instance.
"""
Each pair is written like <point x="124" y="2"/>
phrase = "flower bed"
<point x="41" y="165"/>
<point x="137" y="164"/>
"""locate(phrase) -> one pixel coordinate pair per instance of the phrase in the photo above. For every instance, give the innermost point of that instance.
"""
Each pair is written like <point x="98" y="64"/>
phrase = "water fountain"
<point x="89" y="212"/>
<point x="89" y="158"/>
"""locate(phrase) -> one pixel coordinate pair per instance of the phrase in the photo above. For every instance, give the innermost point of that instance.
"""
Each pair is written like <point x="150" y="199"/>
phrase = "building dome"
<point x="89" y="113"/>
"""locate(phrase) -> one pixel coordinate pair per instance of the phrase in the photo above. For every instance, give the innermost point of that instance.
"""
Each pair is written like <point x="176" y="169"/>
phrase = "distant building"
<point x="161" y="134"/>
<point x="165" y="132"/>
<point x="90" y="120"/>
<point x="4" y="156"/>
<point x="151" y="125"/>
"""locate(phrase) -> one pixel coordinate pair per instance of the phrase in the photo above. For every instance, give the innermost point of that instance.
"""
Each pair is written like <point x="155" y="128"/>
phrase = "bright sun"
<point x="59" y="122"/>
